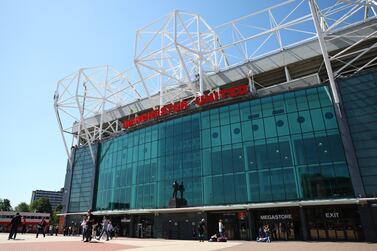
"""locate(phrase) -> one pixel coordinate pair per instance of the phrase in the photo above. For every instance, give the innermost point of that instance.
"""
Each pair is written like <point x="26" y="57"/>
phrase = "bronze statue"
<point x="181" y="189"/>
<point x="175" y="188"/>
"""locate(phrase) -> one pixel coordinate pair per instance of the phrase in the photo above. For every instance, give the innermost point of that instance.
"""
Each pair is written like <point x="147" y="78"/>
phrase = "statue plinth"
<point x="177" y="202"/>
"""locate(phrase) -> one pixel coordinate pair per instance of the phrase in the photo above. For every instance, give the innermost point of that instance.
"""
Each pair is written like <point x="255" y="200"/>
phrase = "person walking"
<point x="41" y="227"/>
<point x="201" y="228"/>
<point x="50" y="230"/>
<point x="83" y="227"/>
<point x="23" y="225"/>
<point x="105" y="223"/>
<point x="110" y="230"/>
<point x="15" y="222"/>
<point x="89" y="225"/>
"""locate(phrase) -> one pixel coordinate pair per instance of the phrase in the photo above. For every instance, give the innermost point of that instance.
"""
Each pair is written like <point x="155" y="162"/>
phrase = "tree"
<point x="41" y="205"/>
<point x="22" y="207"/>
<point x="54" y="219"/>
<point x="59" y="208"/>
<point x="5" y="205"/>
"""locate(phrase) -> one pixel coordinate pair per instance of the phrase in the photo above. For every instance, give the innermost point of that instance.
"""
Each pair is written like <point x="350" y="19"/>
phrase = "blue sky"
<point x="43" y="41"/>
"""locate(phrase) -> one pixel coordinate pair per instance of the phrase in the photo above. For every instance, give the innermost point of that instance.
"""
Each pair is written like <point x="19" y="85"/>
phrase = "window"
<point x="277" y="148"/>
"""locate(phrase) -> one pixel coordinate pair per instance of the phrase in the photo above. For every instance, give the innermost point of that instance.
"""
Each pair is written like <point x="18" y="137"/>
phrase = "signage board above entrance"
<point x="201" y="100"/>
<point x="276" y="217"/>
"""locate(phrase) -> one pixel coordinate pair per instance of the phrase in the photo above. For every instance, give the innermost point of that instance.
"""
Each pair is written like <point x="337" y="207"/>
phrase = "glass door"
<point x="334" y="223"/>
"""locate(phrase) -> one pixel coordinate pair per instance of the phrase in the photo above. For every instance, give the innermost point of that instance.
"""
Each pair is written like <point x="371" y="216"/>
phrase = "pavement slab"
<point x="28" y="242"/>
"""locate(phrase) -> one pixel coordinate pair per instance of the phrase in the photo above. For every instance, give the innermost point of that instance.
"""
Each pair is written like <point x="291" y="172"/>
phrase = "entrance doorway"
<point x="182" y="226"/>
<point x="143" y="226"/>
<point x="282" y="224"/>
<point x="340" y="223"/>
<point x="236" y="224"/>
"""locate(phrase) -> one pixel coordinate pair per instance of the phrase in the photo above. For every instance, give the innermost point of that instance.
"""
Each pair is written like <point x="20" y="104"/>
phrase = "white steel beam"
<point x="322" y="44"/>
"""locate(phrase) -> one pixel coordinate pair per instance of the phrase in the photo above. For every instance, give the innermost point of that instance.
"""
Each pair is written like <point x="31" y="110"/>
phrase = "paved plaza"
<point x="28" y="242"/>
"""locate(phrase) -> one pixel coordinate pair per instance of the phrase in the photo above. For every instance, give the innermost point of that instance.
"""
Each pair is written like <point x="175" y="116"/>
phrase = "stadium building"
<point x="269" y="119"/>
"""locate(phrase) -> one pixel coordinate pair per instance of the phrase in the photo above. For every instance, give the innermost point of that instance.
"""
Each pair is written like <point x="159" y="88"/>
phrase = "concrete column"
<point x="251" y="223"/>
<point x="368" y="217"/>
<point x="92" y="200"/>
<point x="67" y="186"/>
<point x="304" y="226"/>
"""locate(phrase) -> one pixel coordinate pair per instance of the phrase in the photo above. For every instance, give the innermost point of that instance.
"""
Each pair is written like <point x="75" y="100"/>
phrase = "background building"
<point x="55" y="197"/>
<point x="296" y="151"/>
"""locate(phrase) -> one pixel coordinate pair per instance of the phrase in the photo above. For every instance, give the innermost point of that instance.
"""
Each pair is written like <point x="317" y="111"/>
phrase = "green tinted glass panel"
<point x="278" y="148"/>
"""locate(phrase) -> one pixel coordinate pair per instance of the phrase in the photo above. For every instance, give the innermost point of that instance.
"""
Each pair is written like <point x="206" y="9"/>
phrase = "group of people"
<point x="16" y="222"/>
<point x="220" y="236"/>
<point x="217" y="237"/>
<point x="264" y="234"/>
<point x="53" y="230"/>
<point x="89" y="228"/>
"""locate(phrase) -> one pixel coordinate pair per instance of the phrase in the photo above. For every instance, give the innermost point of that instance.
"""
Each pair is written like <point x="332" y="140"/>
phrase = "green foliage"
<point x="58" y="208"/>
<point x="5" y="205"/>
<point x="54" y="219"/>
<point x="22" y="207"/>
<point x="41" y="205"/>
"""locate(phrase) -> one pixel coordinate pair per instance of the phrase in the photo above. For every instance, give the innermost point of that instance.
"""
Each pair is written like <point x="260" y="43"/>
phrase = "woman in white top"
<point x="221" y="228"/>
<point x="83" y="227"/>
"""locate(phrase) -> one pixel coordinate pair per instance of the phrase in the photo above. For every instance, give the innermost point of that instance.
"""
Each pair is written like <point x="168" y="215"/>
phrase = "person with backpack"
<point x="41" y="227"/>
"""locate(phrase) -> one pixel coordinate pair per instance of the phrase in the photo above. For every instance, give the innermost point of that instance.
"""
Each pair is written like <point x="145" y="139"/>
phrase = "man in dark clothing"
<point x="89" y="226"/>
<point x="41" y="227"/>
<point x="16" y="221"/>
<point x="201" y="227"/>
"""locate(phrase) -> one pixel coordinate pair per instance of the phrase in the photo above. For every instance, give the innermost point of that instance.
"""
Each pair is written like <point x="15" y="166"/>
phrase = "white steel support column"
<point x="287" y="74"/>
<point x="103" y="103"/>
<point x="250" y="77"/>
<point x="322" y="44"/>
<point x="82" y="120"/>
<point x="349" y="151"/>
<point x="162" y="65"/>
<point x="200" y="57"/>
<point x="56" y="97"/>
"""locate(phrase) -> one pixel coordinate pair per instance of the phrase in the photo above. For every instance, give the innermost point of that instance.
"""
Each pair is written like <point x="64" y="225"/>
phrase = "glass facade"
<point x="359" y="98"/>
<point x="277" y="148"/>
<point x="82" y="180"/>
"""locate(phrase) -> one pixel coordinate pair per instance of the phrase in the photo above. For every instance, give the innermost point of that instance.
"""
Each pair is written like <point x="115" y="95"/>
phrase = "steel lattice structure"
<point x="181" y="55"/>
<point x="181" y="49"/>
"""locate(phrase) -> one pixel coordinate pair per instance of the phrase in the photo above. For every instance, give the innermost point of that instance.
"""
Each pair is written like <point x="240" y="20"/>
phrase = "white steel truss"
<point x="82" y="99"/>
<point x="180" y="50"/>
<point x="347" y="13"/>
<point x="177" y="55"/>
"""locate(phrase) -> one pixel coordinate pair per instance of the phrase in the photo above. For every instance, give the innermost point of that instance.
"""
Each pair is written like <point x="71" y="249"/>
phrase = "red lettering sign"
<point x="183" y="105"/>
<point x="222" y="94"/>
